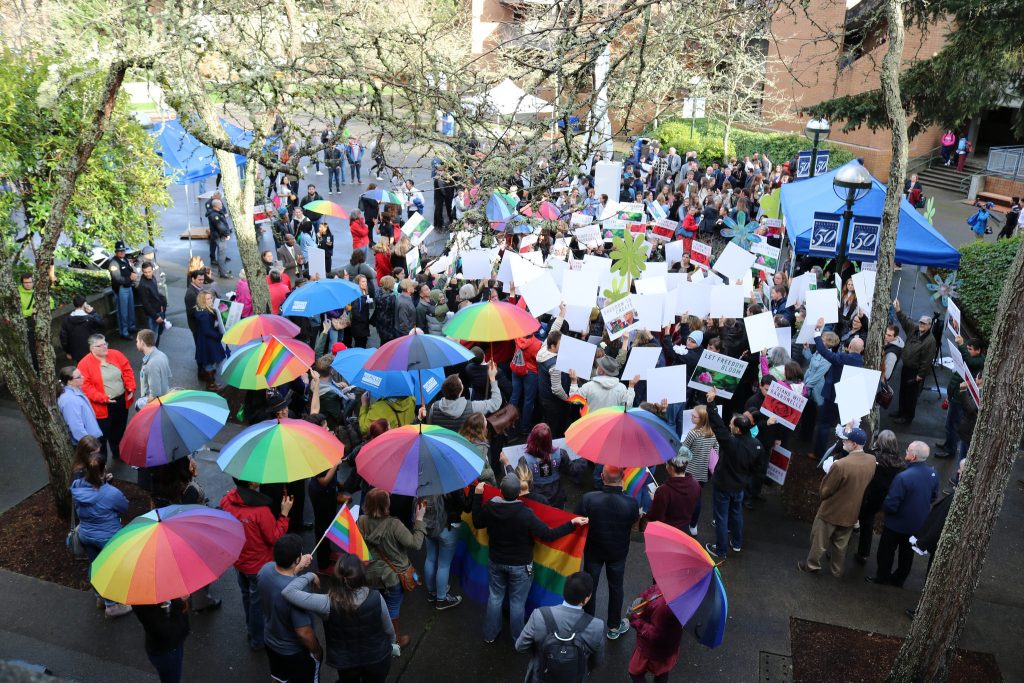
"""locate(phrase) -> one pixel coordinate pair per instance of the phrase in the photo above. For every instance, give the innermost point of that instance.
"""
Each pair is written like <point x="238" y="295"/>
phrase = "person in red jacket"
<point x="658" y="634"/>
<point x="360" y="233"/>
<point x="262" y="530"/>
<point x="524" y="380"/>
<point x="676" y="499"/>
<point x="109" y="384"/>
<point x="382" y="259"/>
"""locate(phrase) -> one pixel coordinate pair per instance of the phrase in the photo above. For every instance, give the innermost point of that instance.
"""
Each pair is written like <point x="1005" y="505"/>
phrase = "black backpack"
<point x="563" y="659"/>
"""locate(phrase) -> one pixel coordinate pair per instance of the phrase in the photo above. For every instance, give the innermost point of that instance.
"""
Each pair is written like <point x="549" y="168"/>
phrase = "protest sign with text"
<point x="784" y="404"/>
<point x="718" y="371"/>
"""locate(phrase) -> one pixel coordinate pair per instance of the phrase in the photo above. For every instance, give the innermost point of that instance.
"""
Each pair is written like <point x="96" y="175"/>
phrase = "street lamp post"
<point x="850" y="183"/>
<point x="817" y="130"/>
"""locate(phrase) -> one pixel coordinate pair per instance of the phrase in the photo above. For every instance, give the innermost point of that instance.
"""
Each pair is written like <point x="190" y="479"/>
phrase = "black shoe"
<point x="449" y="602"/>
<point x="802" y="566"/>
<point x="940" y="451"/>
<point x="877" y="581"/>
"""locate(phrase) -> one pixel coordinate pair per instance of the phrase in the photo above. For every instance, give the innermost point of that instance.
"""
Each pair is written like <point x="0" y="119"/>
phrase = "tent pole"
<point x="188" y="222"/>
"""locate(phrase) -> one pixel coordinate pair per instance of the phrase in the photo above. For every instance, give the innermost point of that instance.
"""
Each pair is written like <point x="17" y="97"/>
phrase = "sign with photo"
<point x="620" y="317"/>
<point x="953" y="318"/>
<point x="700" y="255"/>
<point x="719" y="372"/>
<point x="784" y="404"/>
<point x="766" y="257"/>
<point x="230" y="312"/>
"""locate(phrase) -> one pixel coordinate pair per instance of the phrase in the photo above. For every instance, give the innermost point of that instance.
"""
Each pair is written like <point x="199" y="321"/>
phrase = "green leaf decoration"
<point x="929" y="210"/>
<point x="629" y="257"/>
<point x="619" y="290"/>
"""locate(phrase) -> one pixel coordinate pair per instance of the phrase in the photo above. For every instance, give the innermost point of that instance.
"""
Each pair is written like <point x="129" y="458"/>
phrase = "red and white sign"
<point x="664" y="229"/>
<point x="778" y="465"/>
<point x="774" y="226"/>
<point x="700" y="254"/>
<point x="784" y="404"/>
<point x="638" y="228"/>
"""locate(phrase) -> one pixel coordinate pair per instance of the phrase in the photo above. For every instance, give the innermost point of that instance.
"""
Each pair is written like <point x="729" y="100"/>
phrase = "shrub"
<point x="983" y="270"/>
<point x="707" y="141"/>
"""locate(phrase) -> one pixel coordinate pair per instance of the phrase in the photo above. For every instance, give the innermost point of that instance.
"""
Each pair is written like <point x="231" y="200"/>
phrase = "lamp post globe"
<point x="851" y="182"/>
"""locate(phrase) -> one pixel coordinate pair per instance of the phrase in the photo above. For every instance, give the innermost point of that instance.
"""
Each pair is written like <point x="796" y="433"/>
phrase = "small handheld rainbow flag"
<point x="580" y="401"/>
<point x="634" y="479"/>
<point x="344" y="533"/>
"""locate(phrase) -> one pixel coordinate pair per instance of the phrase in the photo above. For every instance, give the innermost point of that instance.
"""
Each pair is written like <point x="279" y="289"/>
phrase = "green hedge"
<point x="707" y="141"/>
<point x="983" y="270"/>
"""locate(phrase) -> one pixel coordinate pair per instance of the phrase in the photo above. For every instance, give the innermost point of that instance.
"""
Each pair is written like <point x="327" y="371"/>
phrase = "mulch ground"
<point x="803" y="479"/>
<point x="32" y="537"/>
<point x="824" y="652"/>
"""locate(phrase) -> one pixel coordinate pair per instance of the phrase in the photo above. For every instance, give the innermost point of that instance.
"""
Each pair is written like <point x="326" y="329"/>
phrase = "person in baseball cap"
<point x="856" y="435"/>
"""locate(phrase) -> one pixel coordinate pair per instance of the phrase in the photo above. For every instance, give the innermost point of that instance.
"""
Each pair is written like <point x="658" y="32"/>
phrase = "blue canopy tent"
<point x="187" y="160"/>
<point x="917" y="242"/>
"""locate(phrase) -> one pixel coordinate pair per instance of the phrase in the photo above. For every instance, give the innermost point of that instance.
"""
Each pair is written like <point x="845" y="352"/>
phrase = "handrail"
<point x="924" y="160"/>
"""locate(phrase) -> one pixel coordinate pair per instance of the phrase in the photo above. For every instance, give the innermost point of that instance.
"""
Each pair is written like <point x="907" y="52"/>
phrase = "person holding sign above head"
<point x="828" y="412"/>
<point x="841" y="493"/>
<point x="918" y="353"/>
<point x="604" y="390"/>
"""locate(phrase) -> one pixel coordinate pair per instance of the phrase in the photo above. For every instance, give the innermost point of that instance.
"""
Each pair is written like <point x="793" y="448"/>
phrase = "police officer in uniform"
<point x="123" y="280"/>
<point x="220" y="231"/>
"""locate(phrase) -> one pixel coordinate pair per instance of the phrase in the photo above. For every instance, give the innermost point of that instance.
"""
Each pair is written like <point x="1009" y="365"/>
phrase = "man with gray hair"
<point x="906" y="509"/>
<point x="676" y="499"/>
<point x="604" y="390"/>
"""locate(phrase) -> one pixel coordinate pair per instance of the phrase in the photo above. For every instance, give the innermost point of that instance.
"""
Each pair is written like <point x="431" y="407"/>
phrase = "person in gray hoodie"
<point x="604" y="390"/>
<point x="453" y="409"/>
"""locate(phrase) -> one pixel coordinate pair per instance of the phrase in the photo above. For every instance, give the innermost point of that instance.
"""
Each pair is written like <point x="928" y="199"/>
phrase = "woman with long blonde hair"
<point x="209" y="347"/>
<point x="701" y="441"/>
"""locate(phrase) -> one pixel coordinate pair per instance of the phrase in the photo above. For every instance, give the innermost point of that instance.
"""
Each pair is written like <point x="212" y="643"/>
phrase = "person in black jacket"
<point x="166" y="627"/>
<point x="928" y="538"/>
<point x="220" y="231"/>
<point x="614" y="514"/>
<point x="152" y="300"/>
<point x="76" y="329"/>
<point x="511" y="527"/>
<point x="738" y="452"/>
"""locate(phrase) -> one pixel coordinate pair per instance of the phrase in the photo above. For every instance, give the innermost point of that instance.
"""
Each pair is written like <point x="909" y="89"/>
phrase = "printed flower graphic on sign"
<point x="741" y="232"/>
<point x="629" y="257"/>
<point x="704" y="378"/>
<point x="944" y="288"/>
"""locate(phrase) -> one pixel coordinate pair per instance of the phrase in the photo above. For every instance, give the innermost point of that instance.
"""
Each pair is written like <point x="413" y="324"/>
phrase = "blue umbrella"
<point x="381" y="384"/>
<point x="319" y="297"/>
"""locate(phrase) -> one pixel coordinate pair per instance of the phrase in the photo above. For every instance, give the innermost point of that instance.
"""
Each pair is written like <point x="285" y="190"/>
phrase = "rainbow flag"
<point x="634" y="479"/>
<point x="552" y="562"/>
<point x="274" y="361"/>
<point x="344" y="533"/>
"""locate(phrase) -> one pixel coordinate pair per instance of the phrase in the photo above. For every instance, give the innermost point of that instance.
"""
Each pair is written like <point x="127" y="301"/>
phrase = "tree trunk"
<point x="725" y="141"/>
<point x="897" y="119"/>
<point x="956" y="569"/>
<point x="36" y="392"/>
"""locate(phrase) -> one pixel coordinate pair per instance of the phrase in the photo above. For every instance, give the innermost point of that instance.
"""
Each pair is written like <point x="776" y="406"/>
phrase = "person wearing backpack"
<point x="443" y="519"/>
<point x="566" y="643"/>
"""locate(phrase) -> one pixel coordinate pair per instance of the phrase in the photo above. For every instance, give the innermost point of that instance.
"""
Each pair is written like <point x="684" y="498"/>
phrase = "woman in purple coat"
<point x="658" y="634"/>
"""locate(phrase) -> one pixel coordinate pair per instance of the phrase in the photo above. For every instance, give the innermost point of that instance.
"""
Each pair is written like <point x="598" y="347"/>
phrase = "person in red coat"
<point x="109" y="384"/>
<point x="252" y="509"/>
<point x="658" y="634"/>
<point x="675" y="500"/>
<point x="360" y="233"/>
<point x="382" y="259"/>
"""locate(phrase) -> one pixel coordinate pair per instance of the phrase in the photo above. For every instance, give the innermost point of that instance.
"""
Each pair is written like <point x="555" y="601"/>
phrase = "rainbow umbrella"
<point x="689" y="580"/>
<point x="419" y="460"/>
<point x="621" y="437"/>
<point x="282" y="450"/>
<point x="500" y="207"/>
<point x="257" y="326"/>
<point x="326" y="208"/>
<point x="320" y="296"/>
<point x="167" y="553"/>
<point x="265" y="363"/>
<point x="546" y="210"/>
<point x="417" y="352"/>
<point x="384" y="196"/>
<point x="491" y="321"/>
<point x="172" y="426"/>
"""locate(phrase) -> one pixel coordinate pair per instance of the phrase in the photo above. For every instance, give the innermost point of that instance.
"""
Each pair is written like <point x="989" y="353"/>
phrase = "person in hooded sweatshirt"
<point x="676" y="499"/>
<point x="453" y="409"/>
<point x="738" y="452"/>
<point x="76" y="329"/>
<point x="252" y="509"/>
<point x="604" y="390"/>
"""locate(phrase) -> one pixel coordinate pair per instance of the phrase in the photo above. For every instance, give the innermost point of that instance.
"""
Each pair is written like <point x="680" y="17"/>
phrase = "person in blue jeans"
<point x="511" y="528"/>
<point x="166" y="626"/>
<point x="738" y="454"/>
<point x="443" y="520"/>
<point x="123" y="280"/>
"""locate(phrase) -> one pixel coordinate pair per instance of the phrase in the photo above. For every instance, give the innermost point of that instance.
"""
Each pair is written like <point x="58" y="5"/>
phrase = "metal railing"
<point x="923" y="161"/>
<point x="1006" y="161"/>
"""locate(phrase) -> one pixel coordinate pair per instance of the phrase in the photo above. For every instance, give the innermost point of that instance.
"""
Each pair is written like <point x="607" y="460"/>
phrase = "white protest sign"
<point x="641" y="360"/>
<point x="505" y="268"/>
<point x="526" y="242"/>
<point x="666" y="383"/>
<point x="778" y="464"/>
<point x="578" y="318"/>
<point x="542" y="295"/>
<point x="579" y="288"/>
<point x="664" y="229"/>
<point x="784" y="404"/>
<point x="416" y="229"/>
<point x="674" y="252"/>
<point x="523" y="270"/>
<point x="654" y="285"/>
<point x="577" y="355"/>
<point x="761" y="331"/>
<point x="822" y="303"/>
<point x="412" y="261"/>
<point x="580" y="219"/>
<point x="694" y="299"/>
<point x="855" y="392"/>
<point x="784" y="336"/>
<point x="621" y="317"/>
<point x="700" y="254"/>
<point x="317" y="262"/>
<point x="953" y="318"/>
<point x="600" y="265"/>
<point x="766" y="257"/>
<point x="477" y="264"/>
<point x="727" y="301"/>
<point x="650" y="308"/>
<point x="557" y="269"/>
<point x="864" y="288"/>
<point x="654" y="270"/>
<point x="230" y="312"/>
<point x="798" y="288"/>
<point x="559" y="250"/>
<point x="673" y="280"/>
<point x="958" y="360"/>
<point x="733" y="262"/>
<point x="588" y="236"/>
<point x="718" y="371"/>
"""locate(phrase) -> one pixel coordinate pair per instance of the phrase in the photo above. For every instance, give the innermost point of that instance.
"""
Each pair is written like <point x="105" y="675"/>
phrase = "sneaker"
<point x="734" y="548"/>
<point x="115" y="611"/>
<point x="614" y="633"/>
<point x="431" y="597"/>
<point x="449" y="602"/>
<point x="802" y="566"/>
<point x="713" y="551"/>
<point x="693" y="531"/>
<point x="319" y="172"/>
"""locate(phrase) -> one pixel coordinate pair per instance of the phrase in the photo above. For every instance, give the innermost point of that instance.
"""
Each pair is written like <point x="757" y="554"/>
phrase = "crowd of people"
<point x="360" y="605"/>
